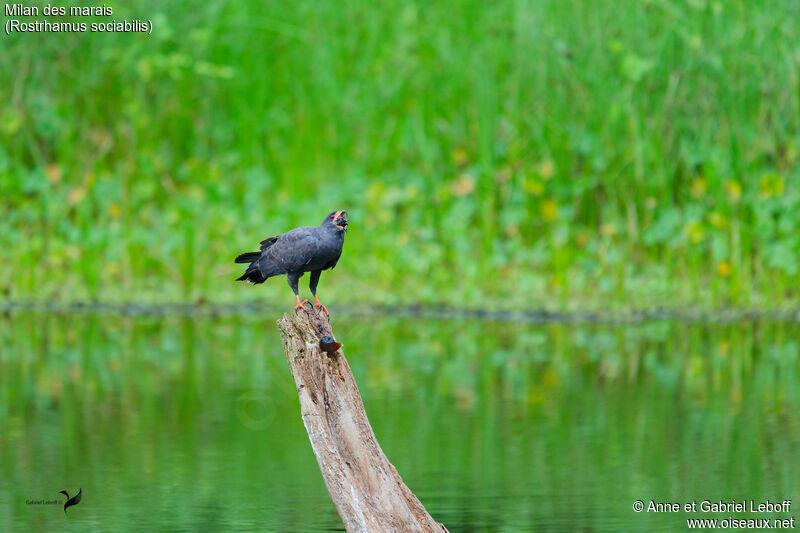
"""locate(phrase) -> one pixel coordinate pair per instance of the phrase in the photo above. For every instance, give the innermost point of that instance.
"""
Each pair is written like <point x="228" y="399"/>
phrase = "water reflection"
<point x="186" y="424"/>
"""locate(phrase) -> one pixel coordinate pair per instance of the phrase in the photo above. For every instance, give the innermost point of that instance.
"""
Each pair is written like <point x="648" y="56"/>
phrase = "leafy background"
<point x="567" y="154"/>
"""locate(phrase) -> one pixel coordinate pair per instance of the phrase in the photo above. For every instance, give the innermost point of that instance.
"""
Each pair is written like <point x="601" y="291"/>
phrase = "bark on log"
<point x="366" y="489"/>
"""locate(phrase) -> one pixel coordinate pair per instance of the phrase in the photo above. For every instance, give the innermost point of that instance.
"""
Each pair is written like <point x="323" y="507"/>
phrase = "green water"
<point x="192" y="423"/>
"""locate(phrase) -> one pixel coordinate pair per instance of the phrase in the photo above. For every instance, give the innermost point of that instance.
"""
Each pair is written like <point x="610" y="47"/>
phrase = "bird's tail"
<point x="259" y="270"/>
<point x="248" y="257"/>
<point x="252" y="275"/>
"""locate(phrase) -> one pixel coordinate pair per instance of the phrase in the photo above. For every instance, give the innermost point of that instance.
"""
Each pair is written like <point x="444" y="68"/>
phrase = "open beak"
<point x="341" y="220"/>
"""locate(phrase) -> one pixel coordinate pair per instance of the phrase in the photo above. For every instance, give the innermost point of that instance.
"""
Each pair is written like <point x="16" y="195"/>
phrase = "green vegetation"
<point x="563" y="154"/>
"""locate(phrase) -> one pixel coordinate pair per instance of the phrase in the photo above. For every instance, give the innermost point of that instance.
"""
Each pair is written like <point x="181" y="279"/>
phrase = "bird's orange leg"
<point x="300" y="305"/>
<point x="317" y="303"/>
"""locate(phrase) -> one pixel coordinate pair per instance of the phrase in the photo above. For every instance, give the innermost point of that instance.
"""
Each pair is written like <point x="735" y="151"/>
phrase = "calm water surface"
<point x="192" y="424"/>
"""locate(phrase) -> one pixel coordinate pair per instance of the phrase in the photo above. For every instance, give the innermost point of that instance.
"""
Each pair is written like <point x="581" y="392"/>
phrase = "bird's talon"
<point x="300" y="305"/>
<point x="317" y="303"/>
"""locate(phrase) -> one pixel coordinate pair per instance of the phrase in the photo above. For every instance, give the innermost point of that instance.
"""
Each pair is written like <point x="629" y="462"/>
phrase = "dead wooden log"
<point x="366" y="489"/>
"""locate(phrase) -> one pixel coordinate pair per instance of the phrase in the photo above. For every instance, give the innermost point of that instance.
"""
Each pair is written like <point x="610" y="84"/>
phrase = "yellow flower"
<point x="53" y="173"/>
<point x="699" y="186"/>
<point x="546" y="169"/>
<point x="503" y="175"/>
<point x="736" y="396"/>
<point x="724" y="268"/>
<point x="459" y="156"/>
<point x="734" y="190"/>
<point x="771" y="185"/>
<point x="696" y="231"/>
<point x="533" y="186"/>
<point x="76" y="195"/>
<point x="695" y="365"/>
<point x="550" y="379"/>
<point x="464" y="185"/>
<point x="375" y="192"/>
<point x="549" y="210"/>
<point x="717" y="219"/>
<point x="608" y="230"/>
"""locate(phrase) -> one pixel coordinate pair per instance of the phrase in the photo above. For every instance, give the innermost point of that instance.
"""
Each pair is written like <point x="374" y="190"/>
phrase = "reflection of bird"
<point x="307" y="249"/>
<point x="75" y="500"/>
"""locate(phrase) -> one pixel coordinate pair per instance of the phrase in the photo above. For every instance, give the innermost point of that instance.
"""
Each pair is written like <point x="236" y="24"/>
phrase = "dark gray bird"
<point x="307" y="249"/>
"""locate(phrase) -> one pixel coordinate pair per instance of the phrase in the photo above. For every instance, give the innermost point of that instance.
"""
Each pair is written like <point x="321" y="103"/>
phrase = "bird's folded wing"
<point x="293" y="250"/>
<point x="266" y="243"/>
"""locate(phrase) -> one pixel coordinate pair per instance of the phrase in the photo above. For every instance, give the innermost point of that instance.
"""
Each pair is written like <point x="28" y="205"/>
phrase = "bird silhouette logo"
<point x="75" y="500"/>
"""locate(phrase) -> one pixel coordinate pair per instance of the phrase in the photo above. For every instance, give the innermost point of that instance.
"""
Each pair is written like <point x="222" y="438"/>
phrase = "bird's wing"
<point x="331" y="264"/>
<point x="266" y="243"/>
<point x="294" y="249"/>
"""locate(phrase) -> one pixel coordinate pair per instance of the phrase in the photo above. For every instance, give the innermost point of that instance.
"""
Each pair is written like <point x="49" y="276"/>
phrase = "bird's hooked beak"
<point x="340" y="219"/>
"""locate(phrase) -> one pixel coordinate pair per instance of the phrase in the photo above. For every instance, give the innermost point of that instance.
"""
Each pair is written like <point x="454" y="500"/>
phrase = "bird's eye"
<point x="331" y="217"/>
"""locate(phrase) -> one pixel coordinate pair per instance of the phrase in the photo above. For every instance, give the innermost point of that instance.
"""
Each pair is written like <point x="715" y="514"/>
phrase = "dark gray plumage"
<point x="307" y="249"/>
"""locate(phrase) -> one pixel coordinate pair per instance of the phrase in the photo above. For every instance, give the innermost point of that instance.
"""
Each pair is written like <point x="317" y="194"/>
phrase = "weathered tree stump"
<point x="366" y="489"/>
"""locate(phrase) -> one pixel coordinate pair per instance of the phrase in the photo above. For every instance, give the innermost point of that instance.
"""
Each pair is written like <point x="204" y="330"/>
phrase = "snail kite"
<point x="307" y="249"/>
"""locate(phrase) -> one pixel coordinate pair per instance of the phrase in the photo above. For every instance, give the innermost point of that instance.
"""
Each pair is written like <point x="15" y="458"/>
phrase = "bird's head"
<point x="337" y="220"/>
